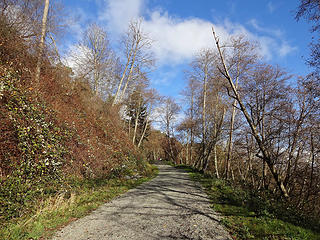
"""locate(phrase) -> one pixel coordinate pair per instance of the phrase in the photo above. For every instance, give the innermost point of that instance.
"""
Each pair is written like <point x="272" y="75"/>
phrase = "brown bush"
<point x="98" y="143"/>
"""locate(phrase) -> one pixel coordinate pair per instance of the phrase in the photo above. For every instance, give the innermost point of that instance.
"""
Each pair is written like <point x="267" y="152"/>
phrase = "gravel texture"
<point x="170" y="206"/>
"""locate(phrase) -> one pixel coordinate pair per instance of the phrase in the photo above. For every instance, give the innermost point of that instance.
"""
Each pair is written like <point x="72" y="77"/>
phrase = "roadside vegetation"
<point x="248" y="214"/>
<point x="77" y="199"/>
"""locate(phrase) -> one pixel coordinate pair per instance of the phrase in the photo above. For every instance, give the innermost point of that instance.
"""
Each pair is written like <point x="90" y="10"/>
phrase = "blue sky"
<point x="180" y="28"/>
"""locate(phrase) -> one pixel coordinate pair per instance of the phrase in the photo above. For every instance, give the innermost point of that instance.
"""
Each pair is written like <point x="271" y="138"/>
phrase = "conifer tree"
<point x="138" y="117"/>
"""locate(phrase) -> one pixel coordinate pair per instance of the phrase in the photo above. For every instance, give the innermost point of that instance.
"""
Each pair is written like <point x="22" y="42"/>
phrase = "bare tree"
<point x="152" y="98"/>
<point x="310" y="10"/>
<point x="137" y="111"/>
<point x="243" y="56"/>
<point x="267" y="155"/>
<point x="202" y="70"/>
<point x="26" y="17"/>
<point x="189" y="123"/>
<point x="136" y="46"/>
<point x="169" y="112"/>
<point x="95" y="61"/>
<point x="205" y="91"/>
<point x="23" y="16"/>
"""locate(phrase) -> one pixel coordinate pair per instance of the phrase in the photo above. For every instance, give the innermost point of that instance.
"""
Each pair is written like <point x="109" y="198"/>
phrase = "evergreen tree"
<point x="137" y="117"/>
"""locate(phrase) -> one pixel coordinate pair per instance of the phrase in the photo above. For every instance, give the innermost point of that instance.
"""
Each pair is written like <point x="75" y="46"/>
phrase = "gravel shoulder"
<point x="171" y="206"/>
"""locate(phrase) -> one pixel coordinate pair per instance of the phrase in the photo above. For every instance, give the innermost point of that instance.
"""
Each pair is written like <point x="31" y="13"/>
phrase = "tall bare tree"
<point x="41" y="41"/>
<point x="243" y="56"/>
<point x="168" y="114"/>
<point x="267" y="155"/>
<point x="95" y="61"/>
<point x="310" y="10"/>
<point x="202" y="70"/>
<point x="190" y="94"/>
<point x="138" y="58"/>
<point x="205" y="90"/>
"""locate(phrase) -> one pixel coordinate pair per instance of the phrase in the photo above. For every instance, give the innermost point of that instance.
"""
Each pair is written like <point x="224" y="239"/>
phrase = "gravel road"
<point x="170" y="206"/>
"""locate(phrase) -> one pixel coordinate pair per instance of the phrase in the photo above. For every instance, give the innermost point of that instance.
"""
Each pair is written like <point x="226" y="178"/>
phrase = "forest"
<point x="65" y="126"/>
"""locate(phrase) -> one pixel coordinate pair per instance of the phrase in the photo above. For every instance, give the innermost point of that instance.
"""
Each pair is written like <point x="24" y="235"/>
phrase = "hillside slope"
<point x="54" y="132"/>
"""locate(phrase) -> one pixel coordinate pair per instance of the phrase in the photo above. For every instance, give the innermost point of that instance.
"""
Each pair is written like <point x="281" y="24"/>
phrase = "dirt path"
<point x="170" y="206"/>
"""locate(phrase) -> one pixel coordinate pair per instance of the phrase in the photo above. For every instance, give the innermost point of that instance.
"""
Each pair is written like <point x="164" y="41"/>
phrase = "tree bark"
<point x="216" y="161"/>
<point x="121" y="80"/>
<point x="41" y="43"/>
<point x="204" y="128"/>
<point x="136" y="125"/>
<point x="229" y="153"/>
<point x="144" y="131"/>
<point x="129" y="76"/>
<point x="265" y="154"/>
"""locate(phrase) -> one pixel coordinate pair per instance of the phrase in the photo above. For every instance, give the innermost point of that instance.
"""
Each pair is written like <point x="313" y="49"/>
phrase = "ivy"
<point x="41" y="144"/>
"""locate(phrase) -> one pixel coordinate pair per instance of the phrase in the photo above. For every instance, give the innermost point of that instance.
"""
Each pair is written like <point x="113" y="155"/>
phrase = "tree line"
<point x="252" y="122"/>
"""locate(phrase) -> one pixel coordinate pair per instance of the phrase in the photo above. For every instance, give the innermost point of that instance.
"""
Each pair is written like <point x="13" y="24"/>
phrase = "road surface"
<point x="170" y="206"/>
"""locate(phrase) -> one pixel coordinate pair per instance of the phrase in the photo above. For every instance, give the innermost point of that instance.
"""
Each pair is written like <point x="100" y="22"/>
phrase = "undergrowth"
<point x="77" y="200"/>
<point x="252" y="215"/>
<point x="33" y="169"/>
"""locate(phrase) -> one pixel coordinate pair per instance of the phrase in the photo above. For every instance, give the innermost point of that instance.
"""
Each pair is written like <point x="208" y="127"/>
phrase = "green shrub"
<point x="35" y="169"/>
<point x="252" y="214"/>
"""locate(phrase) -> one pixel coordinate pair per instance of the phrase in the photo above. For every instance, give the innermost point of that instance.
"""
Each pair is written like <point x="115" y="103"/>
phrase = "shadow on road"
<point x="170" y="206"/>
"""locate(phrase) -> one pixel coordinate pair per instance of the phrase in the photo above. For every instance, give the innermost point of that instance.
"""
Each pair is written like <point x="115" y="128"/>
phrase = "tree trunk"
<point x="127" y="82"/>
<point x="144" y="131"/>
<point x="121" y="80"/>
<point x="136" y="125"/>
<point x="188" y="149"/>
<point x="129" y="127"/>
<point x="229" y="153"/>
<point x="265" y="154"/>
<point x="204" y="128"/>
<point x="55" y="48"/>
<point x="41" y="43"/>
<point x="216" y="161"/>
<point x="130" y="71"/>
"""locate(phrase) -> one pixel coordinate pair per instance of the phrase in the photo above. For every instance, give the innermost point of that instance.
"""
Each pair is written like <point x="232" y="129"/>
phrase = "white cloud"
<point x="164" y="77"/>
<point x="273" y="43"/>
<point x="277" y="33"/>
<point x="285" y="49"/>
<point x="73" y="54"/>
<point x="118" y="13"/>
<point x="266" y="46"/>
<point x="177" y="40"/>
<point x="271" y="7"/>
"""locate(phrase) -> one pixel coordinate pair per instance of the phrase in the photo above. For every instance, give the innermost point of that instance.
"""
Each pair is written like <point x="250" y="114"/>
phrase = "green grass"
<point x="251" y="217"/>
<point x="55" y="212"/>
